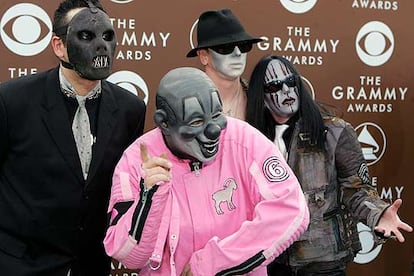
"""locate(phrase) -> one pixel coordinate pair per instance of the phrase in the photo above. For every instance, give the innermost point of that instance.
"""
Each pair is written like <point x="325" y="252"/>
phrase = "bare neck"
<point x="280" y="120"/>
<point x="232" y="95"/>
<point x="226" y="87"/>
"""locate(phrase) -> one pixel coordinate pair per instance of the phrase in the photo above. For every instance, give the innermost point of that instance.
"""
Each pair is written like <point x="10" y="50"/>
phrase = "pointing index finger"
<point x="144" y="152"/>
<point x="164" y="155"/>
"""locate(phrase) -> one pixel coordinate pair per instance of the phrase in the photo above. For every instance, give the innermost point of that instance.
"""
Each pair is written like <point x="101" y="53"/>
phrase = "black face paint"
<point x="91" y="44"/>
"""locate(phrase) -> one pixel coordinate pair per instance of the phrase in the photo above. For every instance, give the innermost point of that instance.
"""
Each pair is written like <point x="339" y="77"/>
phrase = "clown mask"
<point x="189" y="113"/>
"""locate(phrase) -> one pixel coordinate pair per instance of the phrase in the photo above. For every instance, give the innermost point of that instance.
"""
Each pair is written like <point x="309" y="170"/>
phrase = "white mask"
<point x="281" y="92"/>
<point x="230" y="66"/>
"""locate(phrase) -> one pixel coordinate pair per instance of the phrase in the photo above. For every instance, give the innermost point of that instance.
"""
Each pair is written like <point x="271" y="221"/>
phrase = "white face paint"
<point x="230" y="66"/>
<point x="281" y="92"/>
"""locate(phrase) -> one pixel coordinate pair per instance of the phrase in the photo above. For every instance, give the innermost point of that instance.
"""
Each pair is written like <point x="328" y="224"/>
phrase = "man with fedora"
<point x="222" y="48"/>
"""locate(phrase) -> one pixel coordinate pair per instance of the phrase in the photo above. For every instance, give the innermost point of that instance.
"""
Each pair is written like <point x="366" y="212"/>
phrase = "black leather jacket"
<point x="338" y="188"/>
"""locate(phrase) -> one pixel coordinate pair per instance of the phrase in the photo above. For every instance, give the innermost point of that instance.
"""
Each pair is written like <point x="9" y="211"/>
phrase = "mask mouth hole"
<point x="210" y="148"/>
<point x="99" y="62"/>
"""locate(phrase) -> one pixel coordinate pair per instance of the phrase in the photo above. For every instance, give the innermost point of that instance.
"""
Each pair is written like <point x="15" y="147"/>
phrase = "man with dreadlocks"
<point x="62" y="132"/>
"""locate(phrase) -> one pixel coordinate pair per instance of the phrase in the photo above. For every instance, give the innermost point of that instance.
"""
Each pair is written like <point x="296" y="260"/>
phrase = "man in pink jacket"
<point x="201" y="194"/>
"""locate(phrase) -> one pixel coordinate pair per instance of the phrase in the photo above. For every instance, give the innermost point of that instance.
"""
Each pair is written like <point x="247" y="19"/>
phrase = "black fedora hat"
<point x="219" y="27"/>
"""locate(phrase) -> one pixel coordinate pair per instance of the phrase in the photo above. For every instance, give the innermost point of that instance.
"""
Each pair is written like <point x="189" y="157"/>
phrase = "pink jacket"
<point x="235" y="214"/>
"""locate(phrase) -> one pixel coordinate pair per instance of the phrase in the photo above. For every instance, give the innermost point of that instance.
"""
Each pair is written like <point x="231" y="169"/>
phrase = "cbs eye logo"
<point x="298" y="6"/>
<point x="374" y="43"/>
<point x="22" y="28"/>
<point x="369" y="249"/>
<point x="122" y="1"/>
<point x="130" y="81"/>
<point x="309" y="86"/>
<point x="193" y="35"/>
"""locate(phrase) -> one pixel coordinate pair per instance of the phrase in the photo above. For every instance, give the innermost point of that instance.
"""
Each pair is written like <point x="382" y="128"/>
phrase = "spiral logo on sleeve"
<point x="298" y="6"/>
<point x="274" y="171"/>
<point x="21" y="28"/>
<point x="374" y="43"/>
<point x="131" y="81"/>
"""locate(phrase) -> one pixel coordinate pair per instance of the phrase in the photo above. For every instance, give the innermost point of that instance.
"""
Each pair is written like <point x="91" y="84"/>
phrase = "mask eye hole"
<point x="108" y="35"/>
<point x="85" y="35"/>
<point x="217" y="115"/>
<point x="197" y="123"/>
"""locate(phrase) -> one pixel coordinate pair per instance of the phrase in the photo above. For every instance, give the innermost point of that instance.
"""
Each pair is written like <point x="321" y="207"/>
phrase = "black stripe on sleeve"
<point x="244" y="267"/>
<point x="121" y="208"/>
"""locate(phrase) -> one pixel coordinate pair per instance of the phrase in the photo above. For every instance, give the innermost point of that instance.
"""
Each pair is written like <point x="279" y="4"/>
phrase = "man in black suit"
<point x="56" y="164"/>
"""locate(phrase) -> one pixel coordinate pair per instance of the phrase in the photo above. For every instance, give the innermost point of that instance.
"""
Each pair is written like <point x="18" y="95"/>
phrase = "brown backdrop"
<point x="354" y="54"/>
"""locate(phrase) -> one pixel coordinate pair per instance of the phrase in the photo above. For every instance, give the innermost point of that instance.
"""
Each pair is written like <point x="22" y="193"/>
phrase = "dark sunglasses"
<point x="277" y="85"/>
<point x="226" y="49"/>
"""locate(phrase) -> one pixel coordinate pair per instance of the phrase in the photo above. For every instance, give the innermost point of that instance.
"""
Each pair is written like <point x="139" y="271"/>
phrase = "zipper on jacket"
<point x="196" y="170"/>
<point x="195" y="167"/>
<point x="143" y="202"/>
<point x="142" y="210"/>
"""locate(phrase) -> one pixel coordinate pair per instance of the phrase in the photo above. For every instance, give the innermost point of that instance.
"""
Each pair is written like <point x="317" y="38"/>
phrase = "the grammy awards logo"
<point x="372" y="147"/>
<point x="373" y="142"/>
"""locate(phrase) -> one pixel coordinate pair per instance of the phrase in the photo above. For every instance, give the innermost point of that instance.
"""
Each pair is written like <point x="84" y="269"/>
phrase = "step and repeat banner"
<point x="354" y="54"/>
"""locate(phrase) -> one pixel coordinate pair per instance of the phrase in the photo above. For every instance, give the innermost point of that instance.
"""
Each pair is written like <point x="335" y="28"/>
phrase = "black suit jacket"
<point x="51" y="219"/>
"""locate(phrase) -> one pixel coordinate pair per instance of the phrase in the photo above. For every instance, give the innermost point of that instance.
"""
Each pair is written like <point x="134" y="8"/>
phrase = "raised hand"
<point x="156" y="169"/>
<point x="390" y="223"/>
